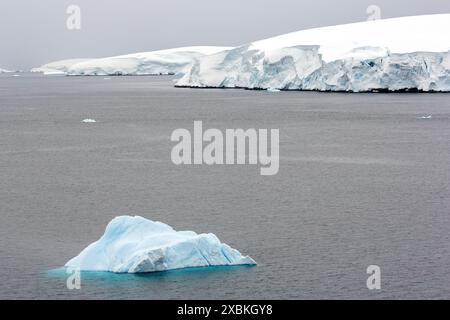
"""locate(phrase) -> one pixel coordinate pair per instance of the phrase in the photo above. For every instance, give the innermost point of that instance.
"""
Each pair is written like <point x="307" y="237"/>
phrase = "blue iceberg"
<point x="137" y="245"/>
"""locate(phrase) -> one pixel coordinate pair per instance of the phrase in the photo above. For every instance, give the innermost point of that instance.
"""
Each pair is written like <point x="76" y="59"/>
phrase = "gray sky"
<point x="34" y="32"/>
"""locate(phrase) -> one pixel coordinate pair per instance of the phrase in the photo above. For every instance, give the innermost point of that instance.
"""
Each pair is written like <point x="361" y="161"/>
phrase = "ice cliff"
<point x="400" y="54"/>
<point x="162" y="62"/>
<point x="136" y="245"/>
<point x="58" y="67"/>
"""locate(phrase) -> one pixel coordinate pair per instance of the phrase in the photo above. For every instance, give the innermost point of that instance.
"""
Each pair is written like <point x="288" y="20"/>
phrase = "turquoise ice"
<point x="135" y="245"/>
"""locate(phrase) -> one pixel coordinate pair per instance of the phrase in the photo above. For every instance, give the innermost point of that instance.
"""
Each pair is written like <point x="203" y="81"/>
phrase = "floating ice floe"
<point x="399" y="54"/>
<point x="89" y="121"/>
<point x="137" y="245"/>
<point x="426" y="117"/>
<point x="5" y="71"/>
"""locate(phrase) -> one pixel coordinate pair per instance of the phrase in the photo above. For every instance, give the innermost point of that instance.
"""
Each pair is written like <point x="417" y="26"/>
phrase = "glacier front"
<point x="162" y="62"/>
<point x="138" y="245"/>
<point x="58" y="67"/>
<point x="399" y="54"/>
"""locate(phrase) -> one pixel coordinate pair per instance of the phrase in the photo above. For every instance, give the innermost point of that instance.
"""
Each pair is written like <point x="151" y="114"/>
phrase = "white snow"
<point x="5" y="71"/>
<point x="398" y="35"/>
<point x="135" y="245"/>
<point x="58" y="67"/>
<point x="162" y="62"/>
<point x="49" y="72"/>
<point x="408" y="53"/>
<point x="89" y="121"/>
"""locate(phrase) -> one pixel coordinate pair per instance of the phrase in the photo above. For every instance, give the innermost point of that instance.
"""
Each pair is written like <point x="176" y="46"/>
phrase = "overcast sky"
<point x="35" y="32"/>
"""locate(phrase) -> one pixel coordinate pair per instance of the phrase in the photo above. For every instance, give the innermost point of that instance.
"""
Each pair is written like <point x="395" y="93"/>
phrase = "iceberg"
<point x="399" y="54"/>
<point x="138" y="245"/>
<point x="162" y="62"/>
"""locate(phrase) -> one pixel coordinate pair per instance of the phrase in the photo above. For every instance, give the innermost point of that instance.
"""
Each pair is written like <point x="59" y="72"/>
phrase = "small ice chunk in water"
<point x="88" y="121"/>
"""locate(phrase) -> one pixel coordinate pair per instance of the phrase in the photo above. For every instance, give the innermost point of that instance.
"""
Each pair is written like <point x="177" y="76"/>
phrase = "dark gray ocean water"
<point x="363" y="180"/>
